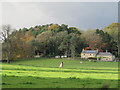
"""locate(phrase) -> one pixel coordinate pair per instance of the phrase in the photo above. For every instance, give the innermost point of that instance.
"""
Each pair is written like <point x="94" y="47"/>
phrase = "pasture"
<point x="45" y="73"/>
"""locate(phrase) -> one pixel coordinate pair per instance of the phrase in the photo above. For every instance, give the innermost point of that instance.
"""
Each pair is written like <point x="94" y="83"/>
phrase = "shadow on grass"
<point x="48" y="82"/>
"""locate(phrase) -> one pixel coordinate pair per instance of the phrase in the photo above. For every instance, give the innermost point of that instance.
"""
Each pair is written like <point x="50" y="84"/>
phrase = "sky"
<point x="83" y="15"/>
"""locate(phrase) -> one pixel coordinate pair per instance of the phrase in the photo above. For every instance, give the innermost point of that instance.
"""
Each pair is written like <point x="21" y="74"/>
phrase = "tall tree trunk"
<point x="119" y="30"/>
<point x="118" y="43"/>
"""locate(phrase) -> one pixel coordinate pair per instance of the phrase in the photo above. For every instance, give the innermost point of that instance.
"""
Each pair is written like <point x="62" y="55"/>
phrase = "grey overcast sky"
<point x="83" y="15"/>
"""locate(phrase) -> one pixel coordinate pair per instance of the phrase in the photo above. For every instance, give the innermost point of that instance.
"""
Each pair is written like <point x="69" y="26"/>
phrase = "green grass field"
<point x="45" y="73"/>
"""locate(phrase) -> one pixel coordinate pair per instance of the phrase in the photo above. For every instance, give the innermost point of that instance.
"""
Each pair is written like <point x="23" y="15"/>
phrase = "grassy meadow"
<point x="45" y="73"/>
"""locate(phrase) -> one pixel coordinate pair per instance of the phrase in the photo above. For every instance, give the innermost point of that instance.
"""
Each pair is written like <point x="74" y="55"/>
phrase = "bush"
<point x="105" y="86"/>
<point x="72" y="78"/>
<point x="94" y="58"/>
<point x="28" y="83"/>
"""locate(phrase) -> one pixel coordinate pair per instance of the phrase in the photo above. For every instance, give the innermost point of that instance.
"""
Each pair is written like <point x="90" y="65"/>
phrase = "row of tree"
<point x="52" y="39"/>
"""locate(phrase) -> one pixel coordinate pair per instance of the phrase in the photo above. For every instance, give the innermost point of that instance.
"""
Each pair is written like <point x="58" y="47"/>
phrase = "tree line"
<point x="54" y="40"/>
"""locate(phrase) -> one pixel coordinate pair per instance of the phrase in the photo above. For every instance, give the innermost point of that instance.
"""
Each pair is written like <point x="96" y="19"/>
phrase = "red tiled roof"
<point x="90" y="48"/>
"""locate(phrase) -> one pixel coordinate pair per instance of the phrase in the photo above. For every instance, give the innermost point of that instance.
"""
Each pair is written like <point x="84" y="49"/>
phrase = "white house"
<point x="89" y="53"/>
<point x="103" y="56"/>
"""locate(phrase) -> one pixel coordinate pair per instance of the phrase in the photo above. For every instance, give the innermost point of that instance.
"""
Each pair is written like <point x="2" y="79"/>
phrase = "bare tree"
<point x="5" y="33"/>
<point x="118" y="42"/>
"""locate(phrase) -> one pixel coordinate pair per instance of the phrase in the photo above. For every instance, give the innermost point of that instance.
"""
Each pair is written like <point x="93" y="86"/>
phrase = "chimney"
<point x="83" y="49"/>
<point x="97" y="50"/>
<point x="106" y="51"/>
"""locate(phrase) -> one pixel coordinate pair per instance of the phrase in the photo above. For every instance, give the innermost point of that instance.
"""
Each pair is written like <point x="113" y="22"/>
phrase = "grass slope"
<point x="44" y="73"/>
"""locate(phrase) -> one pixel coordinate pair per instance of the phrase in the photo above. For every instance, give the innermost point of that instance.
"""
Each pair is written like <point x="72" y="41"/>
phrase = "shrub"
<point x="72" y="78"/>
<point x="105" y="86"/>
<point x="28" y="83"/>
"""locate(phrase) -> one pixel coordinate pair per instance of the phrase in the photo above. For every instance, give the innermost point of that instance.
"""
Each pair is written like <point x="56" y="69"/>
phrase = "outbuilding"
<point x="105" y="56"/>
